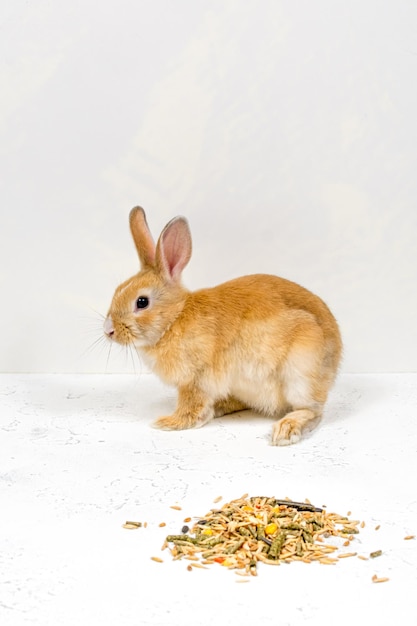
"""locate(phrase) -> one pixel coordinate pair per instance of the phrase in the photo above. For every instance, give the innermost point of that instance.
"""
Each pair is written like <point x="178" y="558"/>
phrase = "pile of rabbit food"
<point x="247" y="531"/>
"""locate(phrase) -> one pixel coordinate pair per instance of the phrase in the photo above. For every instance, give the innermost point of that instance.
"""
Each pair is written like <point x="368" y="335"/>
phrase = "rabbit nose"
<point x="108" y="326"/>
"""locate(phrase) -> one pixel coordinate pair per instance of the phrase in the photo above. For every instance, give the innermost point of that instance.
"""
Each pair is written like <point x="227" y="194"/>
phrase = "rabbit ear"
<point x="173" y="250"/>
<point x="142" y="237"/>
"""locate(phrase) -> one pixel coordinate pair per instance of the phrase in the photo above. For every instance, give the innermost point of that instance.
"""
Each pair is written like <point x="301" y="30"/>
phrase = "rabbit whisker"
<point x="132" y="358"/>
<point x="108" y="355"/>
<point x="100" y="341"/>
<point x="99" y="315"/>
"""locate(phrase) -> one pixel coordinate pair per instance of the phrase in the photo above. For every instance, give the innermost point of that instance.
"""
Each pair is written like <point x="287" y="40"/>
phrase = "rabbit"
<point x="256" y="342"/>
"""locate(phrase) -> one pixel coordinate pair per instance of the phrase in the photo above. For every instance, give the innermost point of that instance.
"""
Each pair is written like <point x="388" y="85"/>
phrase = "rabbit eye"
<point x="142" y="302"/>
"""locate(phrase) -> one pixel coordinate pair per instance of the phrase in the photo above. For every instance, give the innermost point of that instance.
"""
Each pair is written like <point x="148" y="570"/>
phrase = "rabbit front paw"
<point x="182" y="421"/>
<point x="172" y="422"/>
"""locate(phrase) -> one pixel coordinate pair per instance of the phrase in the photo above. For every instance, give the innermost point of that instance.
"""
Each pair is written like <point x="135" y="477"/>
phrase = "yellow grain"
<point x="376" y="579"/>
<point x="330" y="548"/>
<point x="156" y="559"/>
<point x="408" y="537"/>
<point x="176" y="507"/>
<point x="345" y="555"/>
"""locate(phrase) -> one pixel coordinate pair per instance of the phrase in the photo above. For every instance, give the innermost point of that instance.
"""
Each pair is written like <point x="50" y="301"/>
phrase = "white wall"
<point x="285" y="131"/>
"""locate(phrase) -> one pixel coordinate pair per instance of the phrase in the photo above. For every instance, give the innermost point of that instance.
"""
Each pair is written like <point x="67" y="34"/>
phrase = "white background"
<point x="285" y="132"/>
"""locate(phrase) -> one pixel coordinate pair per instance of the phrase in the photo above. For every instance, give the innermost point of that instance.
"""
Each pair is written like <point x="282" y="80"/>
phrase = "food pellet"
<point x="373" y="555"/>
<point x="132" y="525"/>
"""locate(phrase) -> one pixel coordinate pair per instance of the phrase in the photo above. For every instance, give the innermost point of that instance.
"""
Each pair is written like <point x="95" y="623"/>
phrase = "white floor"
<point x="78" y="457"/>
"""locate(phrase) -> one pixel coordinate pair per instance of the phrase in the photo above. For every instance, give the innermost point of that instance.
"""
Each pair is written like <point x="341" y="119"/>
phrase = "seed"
<point x="187" y="519"/>
<point x="175" y="507"/>
<point x="185" y="529"/>
<point x="162" y="524"/>
<point x="408" y="537"/>
<point x="156" y="559"/>
<point x="362" y="558"/>
<point x="346" y="554"/>
<point x="375" y="579"/>
<point x="216" y="500"/>
<point x="378" y="527"/>
<point x="189" y="568"/>
<point x="362" y="524"/>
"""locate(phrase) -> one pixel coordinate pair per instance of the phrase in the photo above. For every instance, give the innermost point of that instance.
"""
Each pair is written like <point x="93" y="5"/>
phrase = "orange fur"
<point x="258" y="342"/>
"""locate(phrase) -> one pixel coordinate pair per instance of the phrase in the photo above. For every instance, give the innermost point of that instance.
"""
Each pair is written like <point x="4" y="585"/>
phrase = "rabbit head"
<point x="144" y="306"/>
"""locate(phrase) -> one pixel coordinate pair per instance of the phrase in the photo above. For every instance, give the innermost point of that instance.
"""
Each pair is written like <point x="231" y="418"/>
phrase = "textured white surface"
<point x="78" y="458"/>
<point x="285" y="131"/>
